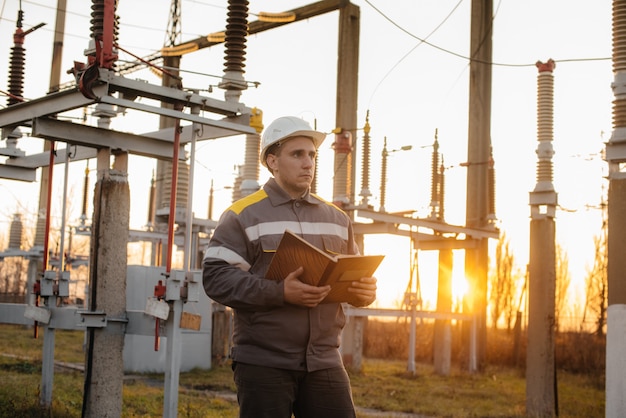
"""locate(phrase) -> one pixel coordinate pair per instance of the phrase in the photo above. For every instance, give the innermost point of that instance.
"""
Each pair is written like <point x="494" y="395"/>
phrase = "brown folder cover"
<point x="321" y="268"/>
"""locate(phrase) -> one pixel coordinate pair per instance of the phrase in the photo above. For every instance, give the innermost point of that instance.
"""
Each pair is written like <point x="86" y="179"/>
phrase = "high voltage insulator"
<point x="365" y="166"/>
<point x="15" y="237"/>
<point x="236" y="32"/>
<point x="16" y="66"/>
<point x="98" y="27"/>
<point x="491" y="173"/>
<point x="97" y="20"/>
<point x="435" y="181"/>
<point x="16" y="74"/>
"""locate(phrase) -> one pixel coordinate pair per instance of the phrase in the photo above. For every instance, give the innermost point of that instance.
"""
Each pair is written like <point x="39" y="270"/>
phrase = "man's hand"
<point x="298" y="293"/>
<point x="364" y="289"/>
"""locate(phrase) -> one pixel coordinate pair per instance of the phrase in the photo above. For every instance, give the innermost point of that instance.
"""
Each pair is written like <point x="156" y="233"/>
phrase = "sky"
<point x="410" y="88"/>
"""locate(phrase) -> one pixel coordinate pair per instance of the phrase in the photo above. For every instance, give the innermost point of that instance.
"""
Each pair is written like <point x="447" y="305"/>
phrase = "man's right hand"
<point x="298" y="293"/>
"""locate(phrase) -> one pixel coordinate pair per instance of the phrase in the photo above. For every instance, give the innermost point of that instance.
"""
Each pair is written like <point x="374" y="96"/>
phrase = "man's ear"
<point x="270" y="160"/>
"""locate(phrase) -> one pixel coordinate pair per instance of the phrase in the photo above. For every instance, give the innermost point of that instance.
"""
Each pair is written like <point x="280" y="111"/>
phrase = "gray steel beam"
<point x="52" y="104"/>
<point x="76" y="134"/>
<point x="440" y="227"/>
<point x="17" y="173"/>
<point x="207" y="132"/>
<point x="131" y="89"/>
<point x="423" y="241"/>
<point x="78" y="153"/>
<point x="236" y="127"/>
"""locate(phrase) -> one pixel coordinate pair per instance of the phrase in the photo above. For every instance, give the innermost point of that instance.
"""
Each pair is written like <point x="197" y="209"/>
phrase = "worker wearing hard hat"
<point x="285" y="353"/>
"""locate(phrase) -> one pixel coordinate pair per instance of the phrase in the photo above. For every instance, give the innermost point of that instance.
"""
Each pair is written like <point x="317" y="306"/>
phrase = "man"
<point x="285" y="351"/>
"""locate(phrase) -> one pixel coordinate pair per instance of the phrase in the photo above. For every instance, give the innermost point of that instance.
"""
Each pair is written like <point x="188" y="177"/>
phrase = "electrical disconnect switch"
<point x="193" y="285"/>
<point x="64" y="284"/>
<point x="48" y="282"/>
<point x="173" y="284"/>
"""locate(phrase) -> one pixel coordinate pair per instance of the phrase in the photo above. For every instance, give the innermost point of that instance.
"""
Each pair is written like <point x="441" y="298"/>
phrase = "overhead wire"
<point x="465" y="57"/>
<point x="421" y="41"/>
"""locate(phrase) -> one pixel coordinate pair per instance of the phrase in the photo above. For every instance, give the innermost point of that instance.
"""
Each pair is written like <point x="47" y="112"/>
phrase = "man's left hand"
<point x="364" y="289"/>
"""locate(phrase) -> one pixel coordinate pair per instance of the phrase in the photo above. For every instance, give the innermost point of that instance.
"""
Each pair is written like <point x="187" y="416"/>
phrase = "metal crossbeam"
<point x="89" y="136"/>
<point x="435" y="226"/>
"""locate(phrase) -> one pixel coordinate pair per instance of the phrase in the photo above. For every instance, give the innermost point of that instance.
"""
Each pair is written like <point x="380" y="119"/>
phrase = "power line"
<point x="470" y="59"/>
<point x="412" y="49"/>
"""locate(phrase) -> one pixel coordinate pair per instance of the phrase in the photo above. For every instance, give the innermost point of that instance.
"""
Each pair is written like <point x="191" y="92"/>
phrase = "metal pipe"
<point x="195" y="110"/>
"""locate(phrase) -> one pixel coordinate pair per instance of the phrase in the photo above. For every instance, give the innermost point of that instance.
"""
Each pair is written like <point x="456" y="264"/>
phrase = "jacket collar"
<point x="278" y="196"/>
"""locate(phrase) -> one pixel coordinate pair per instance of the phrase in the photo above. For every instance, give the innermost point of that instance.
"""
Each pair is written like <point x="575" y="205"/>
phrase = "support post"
<point x="104" y="368"/>
<point x="616" y="269"/>
<point x="478" y="156"/>
<point x="541" y="400"/>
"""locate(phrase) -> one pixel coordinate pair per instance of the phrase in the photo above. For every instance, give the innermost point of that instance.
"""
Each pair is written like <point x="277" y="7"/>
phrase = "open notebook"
<point x="320" y="267"/>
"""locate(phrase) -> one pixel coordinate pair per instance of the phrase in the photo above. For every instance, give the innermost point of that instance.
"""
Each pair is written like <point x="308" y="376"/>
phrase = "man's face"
<point x="294" y="165"/>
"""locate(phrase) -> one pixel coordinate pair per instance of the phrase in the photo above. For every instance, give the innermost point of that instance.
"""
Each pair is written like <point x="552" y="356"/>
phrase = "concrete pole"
<point x="347" y="98"/>
<point x="104" y="366"/>
<point x="616" y="269"/>
<point x="346" y="119"/>
<point x="540" y="359"/>
<point x="478" y="157"/>
<point x="442" y="338"/>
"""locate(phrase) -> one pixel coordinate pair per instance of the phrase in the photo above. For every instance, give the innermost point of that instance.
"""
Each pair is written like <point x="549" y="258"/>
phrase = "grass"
<point x="381" y="385"/>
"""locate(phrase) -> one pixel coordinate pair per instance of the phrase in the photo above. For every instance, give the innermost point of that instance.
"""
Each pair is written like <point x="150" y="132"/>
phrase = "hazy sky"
<point x="410" y="88"/>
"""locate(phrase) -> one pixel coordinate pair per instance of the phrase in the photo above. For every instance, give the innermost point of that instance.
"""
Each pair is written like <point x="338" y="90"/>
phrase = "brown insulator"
<point x="16" y="74"/>
<point x="97" y="18"/>
<point x="15" y="236"/>
<point x="365" y="164"/>
<point x="435" y="180"/>
<point x="619" y="37"/>
<point x="236" y="33"/>
<point x="97" y="21"/>
<point x="491" y="173"/>
<point x="85" y="192"/>
<point x="442" y="190"/>
<point x="383" y="176"/>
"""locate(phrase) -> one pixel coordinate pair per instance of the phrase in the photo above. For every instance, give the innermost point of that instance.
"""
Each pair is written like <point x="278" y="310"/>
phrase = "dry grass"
<point x="381" y="385"/>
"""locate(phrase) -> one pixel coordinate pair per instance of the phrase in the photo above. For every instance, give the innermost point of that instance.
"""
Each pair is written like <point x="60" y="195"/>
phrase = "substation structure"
<point x="147" y="301"/>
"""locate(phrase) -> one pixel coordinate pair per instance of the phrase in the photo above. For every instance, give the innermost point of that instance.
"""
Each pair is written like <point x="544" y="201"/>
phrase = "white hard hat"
<point x="286" y="127"/>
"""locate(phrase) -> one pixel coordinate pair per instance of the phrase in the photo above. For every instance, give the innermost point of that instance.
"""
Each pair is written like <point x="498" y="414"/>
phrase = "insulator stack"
<point x="237" y="188"/>
<point x="236" y="32"/>
<point x="251" y="166"/>
<point x="619" y="37"/>
<point x="435" y="183"/>
<point x="151" y="203"/>
<point x="545" y="116"/>
<point x="40" y="228"/>
<point x="15" y="236"/>
<point x="619" y="69"/>
<point x="543" y="199"/>
<point x="17" y="61"/>
<point x="235" y="45"/>
<point x="442" y="190"/>
<point x="16" y="73"/>
<point x="250" y="169"/>
<point x="85" y="192"/>
<point x="97" y="19"/>
<point x="182" y="189"/>
<point x="342" y="183"/>
<point x="491" y="174"/>
<point x="365" y="164"/>
<point x="383" y="176"/>
<point x="97" y="22"/>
